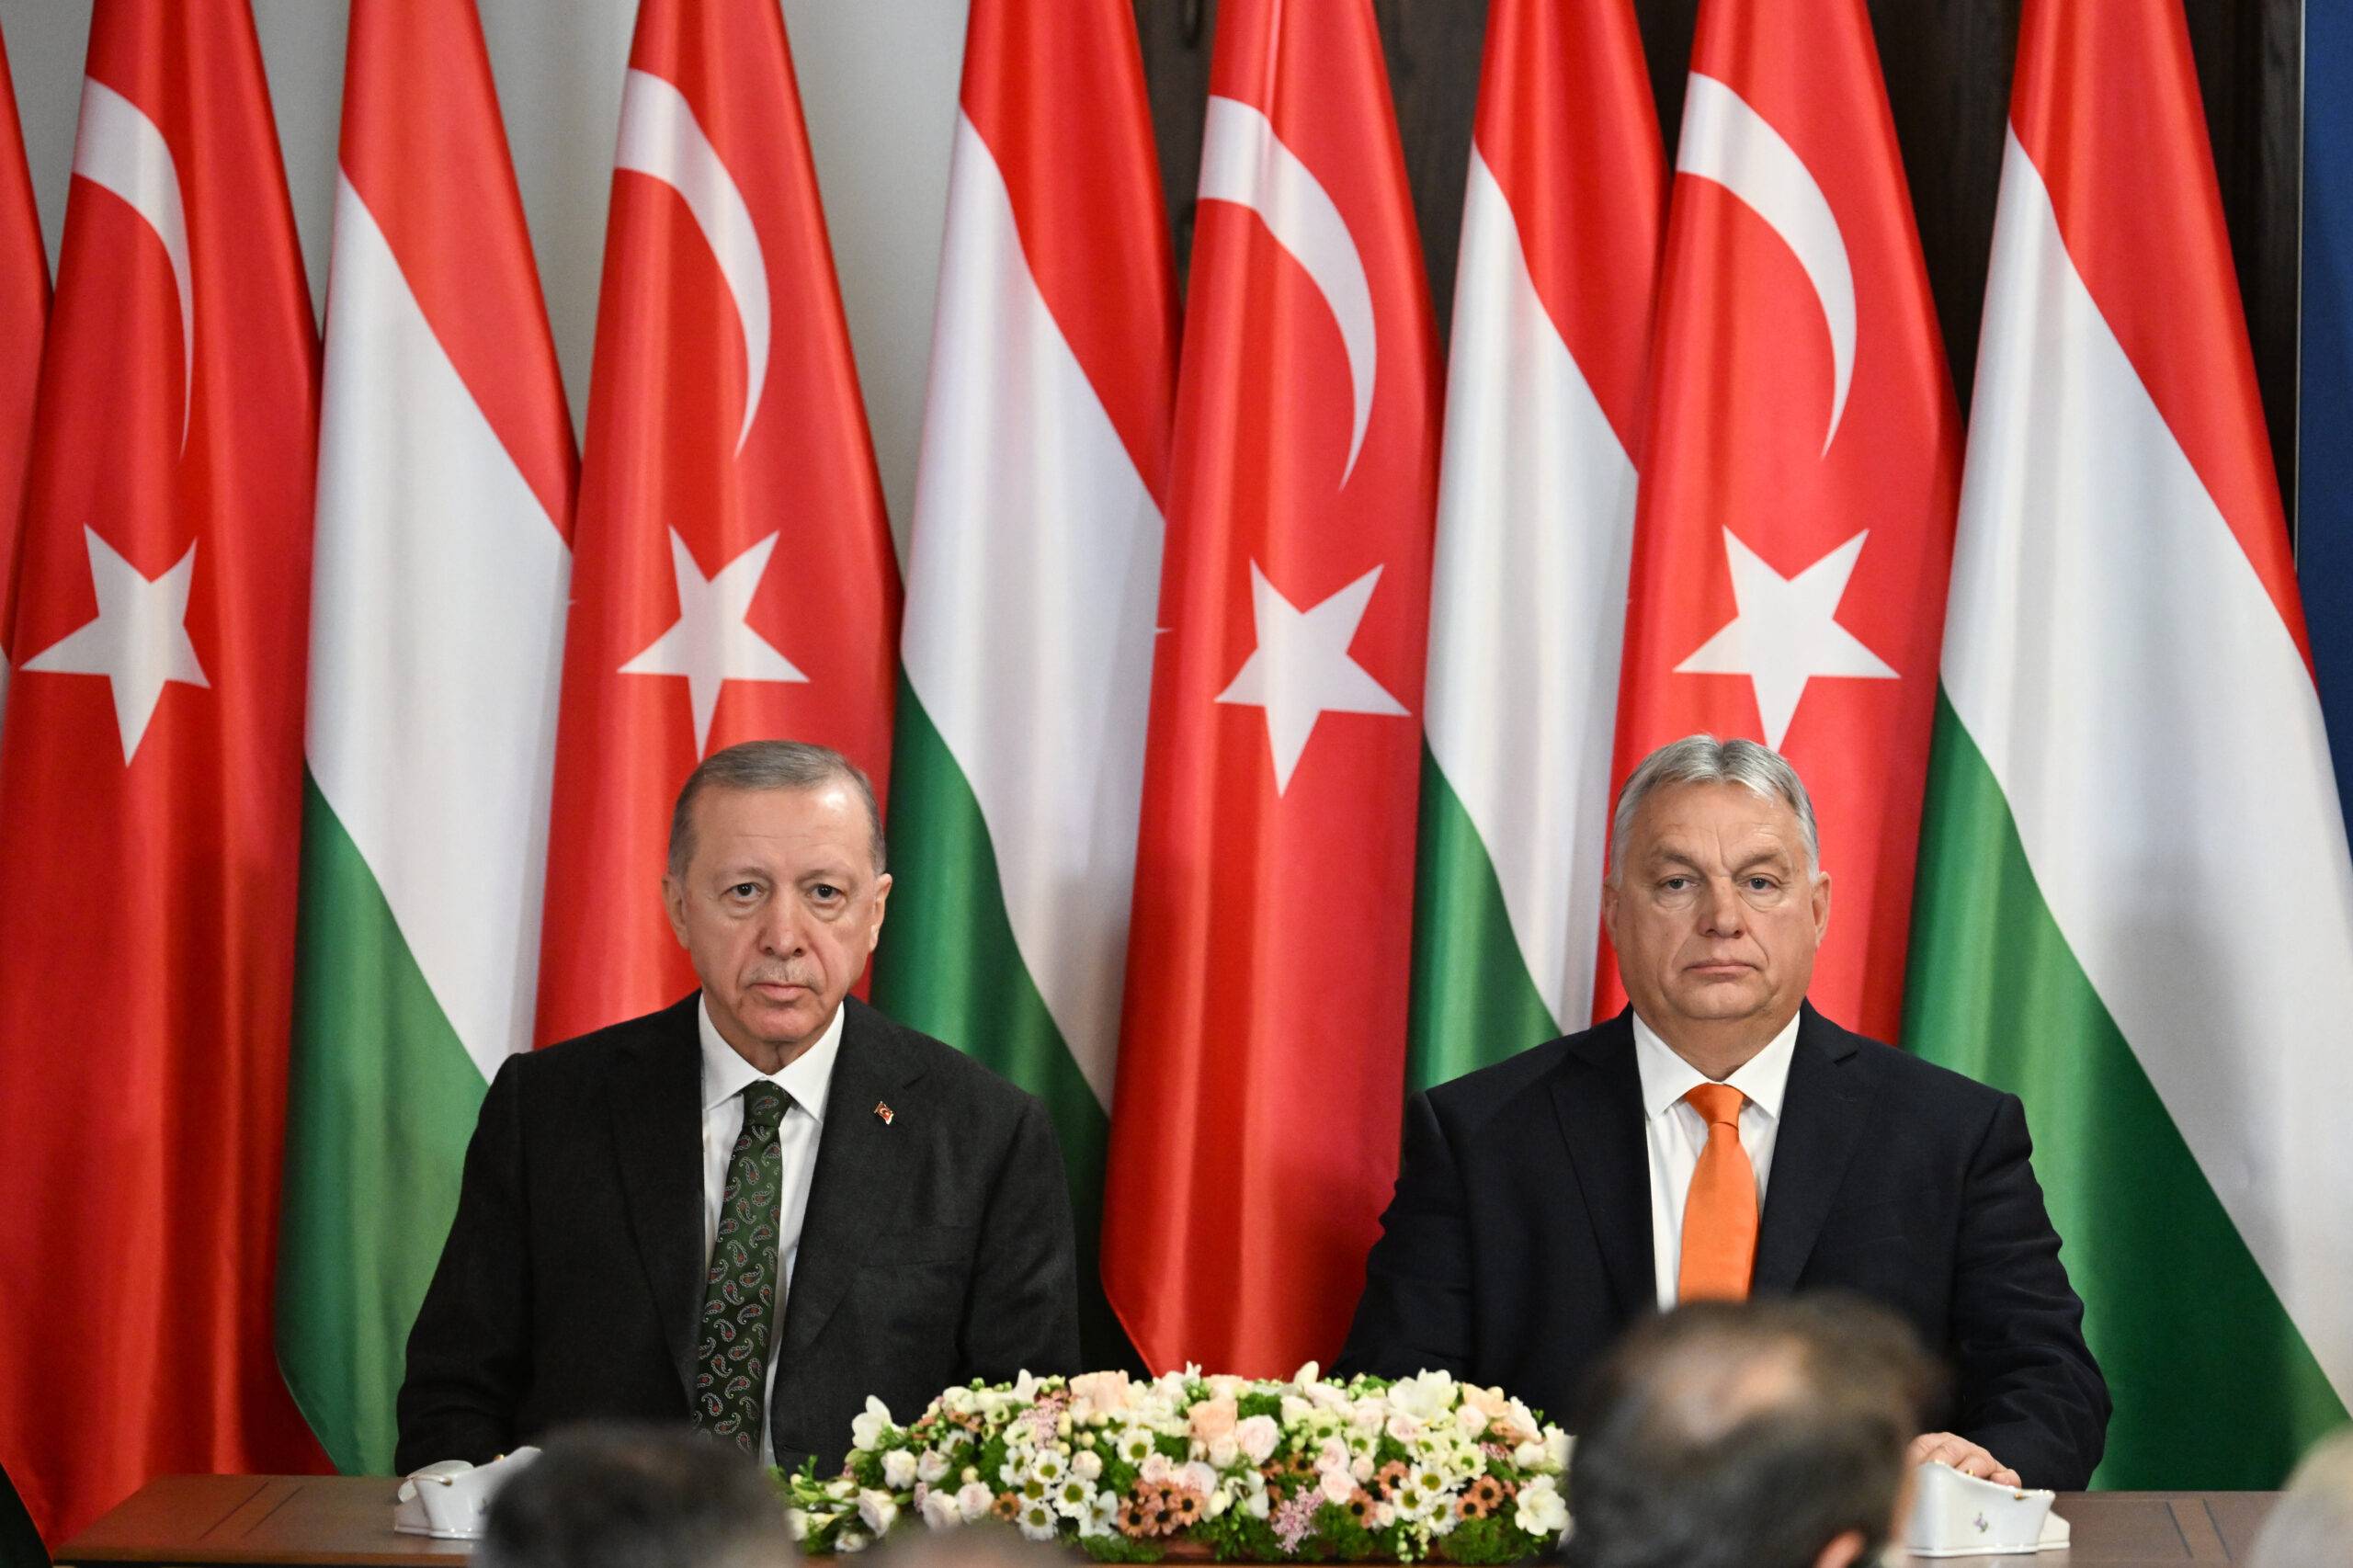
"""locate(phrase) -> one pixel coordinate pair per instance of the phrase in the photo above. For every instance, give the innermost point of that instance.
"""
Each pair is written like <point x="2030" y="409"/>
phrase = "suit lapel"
<point x="1823" y="1113"/>
<point x="1598" y="1099"/>
<point x="657" y="1137"/>
<point x="862" y="1172"/>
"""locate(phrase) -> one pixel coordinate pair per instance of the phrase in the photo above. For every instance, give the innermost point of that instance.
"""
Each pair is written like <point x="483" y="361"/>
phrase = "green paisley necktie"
<point x="740" y="1291"/>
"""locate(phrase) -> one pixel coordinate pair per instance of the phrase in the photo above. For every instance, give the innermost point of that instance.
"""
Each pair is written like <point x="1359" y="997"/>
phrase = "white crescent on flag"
<point x="660" y="137"/>
<point x="118" y="147"/>
<point x="1727" y="141"/>
<point x="1243" y="161"/>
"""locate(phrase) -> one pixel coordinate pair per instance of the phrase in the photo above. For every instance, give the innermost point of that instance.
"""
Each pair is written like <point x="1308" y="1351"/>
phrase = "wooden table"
<point x="333" y="1519"/>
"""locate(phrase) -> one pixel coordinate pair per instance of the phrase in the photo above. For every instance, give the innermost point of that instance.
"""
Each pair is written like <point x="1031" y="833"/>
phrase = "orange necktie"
<point x="1720" y="1215"/>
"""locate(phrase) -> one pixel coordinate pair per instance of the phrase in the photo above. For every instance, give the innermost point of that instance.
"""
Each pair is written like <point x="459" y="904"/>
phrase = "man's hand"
<point x="1944" y="1447"/>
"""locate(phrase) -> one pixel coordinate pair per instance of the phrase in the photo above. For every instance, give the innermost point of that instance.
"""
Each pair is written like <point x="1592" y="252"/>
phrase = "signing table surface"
<point x="349" y="1519"/>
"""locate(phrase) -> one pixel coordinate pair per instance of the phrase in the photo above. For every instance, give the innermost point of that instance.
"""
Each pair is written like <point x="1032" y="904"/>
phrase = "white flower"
<point x="1036" y="1519"/>
<point x="939" y="1510"/>
<point x="1471" y="1419"/>
<point x="1557" y="1445"/>
<point x="1257" y="1437"/>
<point x="1339" y="1485"/>
<point x="1088" y="1466"/>
<point x="972" y="1500"/>
<point x="1530" y="1456"/>
<point x="1072" y="1498"/>
<point x="1541" y="1512"/>
<point x="796" y="1520"/>
<point x="1406" y="1429"/>
<point x="839" y="1489"/>
<point x="931" y="1467"/>
<point x="865" y="1430"/>
<point x="961" y="1400"/>
<point x="1025" y="1388"/>
<point x="1224" y="1451"/>
<point x="1102" y="1513"/>
<point x="879" y="1509"/>
<point x="850" y="1540"/>
<point x="1050" y="1466"/>
<point x="1198" y="1476"/>
<point x="1155" y="1467"/>
<point x="1255" y="1505"/>
<point x="898" y="1469"/>
<point x="1135" y="1446"/>
<point x="1425" y="1396"/>
<point x="1362" y="1468"/>
<point x="1295" y="1410"/>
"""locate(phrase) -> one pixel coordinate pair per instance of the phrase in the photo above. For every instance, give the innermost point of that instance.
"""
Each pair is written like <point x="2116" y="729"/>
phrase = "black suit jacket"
<point x="937" y="1248"/>
<point x="1518" y="1243"/>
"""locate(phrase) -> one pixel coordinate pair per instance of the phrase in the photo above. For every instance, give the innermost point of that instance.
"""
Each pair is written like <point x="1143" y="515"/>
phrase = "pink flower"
<point x="1213" y="1419"/>
<point x="1294" y="1519"/>
<point x="1099" y="1394"/>
<point x="1257" y="1436"/>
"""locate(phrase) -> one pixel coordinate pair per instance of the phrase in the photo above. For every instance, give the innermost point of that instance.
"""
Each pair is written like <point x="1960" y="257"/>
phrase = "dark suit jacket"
<point x="936" y="1249"/>
<point x="1518" y="1243"/>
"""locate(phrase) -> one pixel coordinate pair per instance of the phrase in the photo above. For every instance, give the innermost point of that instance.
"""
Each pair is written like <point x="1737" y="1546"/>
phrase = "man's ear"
<point x="1844" y="1549"/>
<point x="674" y="903"/>
<point x="881" y="897"/>
<point x="1821" y="898"/>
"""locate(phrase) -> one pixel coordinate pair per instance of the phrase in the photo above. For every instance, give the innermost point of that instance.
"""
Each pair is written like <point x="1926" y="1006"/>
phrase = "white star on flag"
<point x="1785" y="632"/>
<point x="1300" y="669"/>
<point x="711" y="643"/>
<point x="139" y="642"/>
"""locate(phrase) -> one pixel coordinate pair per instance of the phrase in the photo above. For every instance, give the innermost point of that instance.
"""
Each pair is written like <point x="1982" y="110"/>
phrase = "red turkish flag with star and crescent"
<point x="1261" y="1070"/>
<point x="24" y="311"/>
<point x="733" y="576"/>
<point x="1800" y="462"/>
<point x="151" y="787"/>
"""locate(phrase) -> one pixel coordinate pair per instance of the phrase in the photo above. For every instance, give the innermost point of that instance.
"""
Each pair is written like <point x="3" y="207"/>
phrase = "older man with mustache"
<point x="1720" y="1138"/>
<point x="757" y="1207"/>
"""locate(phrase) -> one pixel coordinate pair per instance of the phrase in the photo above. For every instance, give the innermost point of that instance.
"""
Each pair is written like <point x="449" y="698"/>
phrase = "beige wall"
<point x="878" y="80"/>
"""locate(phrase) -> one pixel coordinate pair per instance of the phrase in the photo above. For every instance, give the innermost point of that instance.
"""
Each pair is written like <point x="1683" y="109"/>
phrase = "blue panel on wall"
<point x="2324" y="402"/>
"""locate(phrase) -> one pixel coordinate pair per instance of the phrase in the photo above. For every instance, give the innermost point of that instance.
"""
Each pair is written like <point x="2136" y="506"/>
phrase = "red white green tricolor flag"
<point x="1033" y="574"/>
<point x="1535" y="522"/>
<point x="2135" y="907"/>
<point x="445" y="500"/>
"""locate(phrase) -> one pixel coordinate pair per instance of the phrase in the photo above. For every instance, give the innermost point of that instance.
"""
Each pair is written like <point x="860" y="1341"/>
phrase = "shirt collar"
<point x="1667" y="1077"/>
<point x="807" y="1077"/>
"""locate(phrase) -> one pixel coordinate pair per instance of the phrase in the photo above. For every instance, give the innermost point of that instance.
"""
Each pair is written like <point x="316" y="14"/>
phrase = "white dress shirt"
<point x="1675" y="1133"/>
<point x="805" y="1080"/>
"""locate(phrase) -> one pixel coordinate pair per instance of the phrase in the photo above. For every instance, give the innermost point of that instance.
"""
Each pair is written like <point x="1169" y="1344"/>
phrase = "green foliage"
<point x="1249" y="1404"/>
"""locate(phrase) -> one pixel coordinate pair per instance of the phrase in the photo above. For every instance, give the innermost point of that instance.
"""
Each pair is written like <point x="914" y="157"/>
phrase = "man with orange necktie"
<point x="1720" y="1137"/>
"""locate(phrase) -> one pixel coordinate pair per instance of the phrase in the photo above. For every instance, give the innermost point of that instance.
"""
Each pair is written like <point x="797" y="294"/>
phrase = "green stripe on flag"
<point x="949" y="966"/>
<point x="1473" y="1001"/>
<point x="2213" y="1385"/>
<point x="382" y="1100"/>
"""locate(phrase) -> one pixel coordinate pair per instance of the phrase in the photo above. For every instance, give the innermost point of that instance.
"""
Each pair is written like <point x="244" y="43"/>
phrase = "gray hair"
<point x="770" y="765"/>
<point x="2312" y="1524"/>
<point x="1703" y="759"/>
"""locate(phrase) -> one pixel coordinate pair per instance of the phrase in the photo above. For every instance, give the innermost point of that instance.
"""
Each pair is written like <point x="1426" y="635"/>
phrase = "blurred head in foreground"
<point x="1764" y="1434"/>
<point x="636" y="1498"/>
<point x="2312" y="1525"/>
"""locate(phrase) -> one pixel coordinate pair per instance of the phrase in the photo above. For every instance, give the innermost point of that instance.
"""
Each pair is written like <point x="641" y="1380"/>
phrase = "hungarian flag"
<point x="24" y="310"/>
<point x="734" y="579"/>
<point x="437" y="594"/>
<point x="1261" y="1057"/>
<point x="1561" y="225"/>
<point x="1801" y="454"/>
<point x="2136" y="907"/>
<point x="151" y="787"/>
<point x="1033" y="575"/>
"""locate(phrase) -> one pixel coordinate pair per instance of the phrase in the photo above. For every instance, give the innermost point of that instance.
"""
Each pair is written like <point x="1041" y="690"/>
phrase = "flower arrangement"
<point x="1420" y="1468"/>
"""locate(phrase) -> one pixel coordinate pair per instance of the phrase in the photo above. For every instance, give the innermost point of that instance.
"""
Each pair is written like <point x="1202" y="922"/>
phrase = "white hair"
<point x="1703" y="759"/>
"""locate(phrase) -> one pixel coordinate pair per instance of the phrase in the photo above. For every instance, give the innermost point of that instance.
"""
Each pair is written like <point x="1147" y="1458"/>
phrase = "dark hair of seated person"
<point x="633" y="1496"/>
<point x="1747" y="1435"/>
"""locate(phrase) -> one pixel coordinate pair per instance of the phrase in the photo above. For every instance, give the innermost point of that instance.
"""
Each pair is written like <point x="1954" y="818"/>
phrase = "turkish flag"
<point x="1261" y="1069"/>
<point x="733" y="576"/>
<point x="1800" y="466"/>
<point x="24" y="310"/>
<point x="151" y="787"/>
